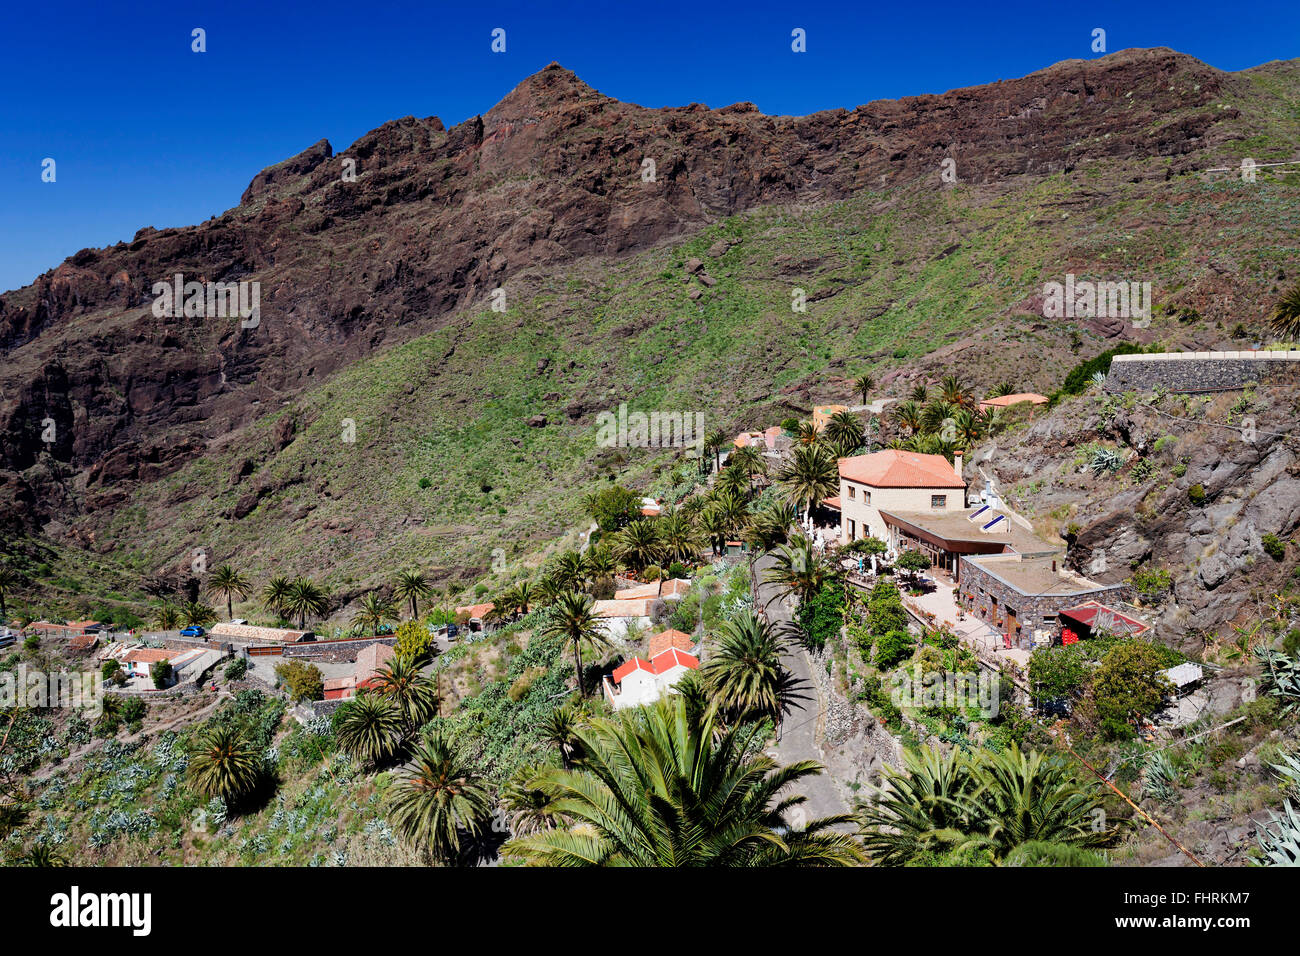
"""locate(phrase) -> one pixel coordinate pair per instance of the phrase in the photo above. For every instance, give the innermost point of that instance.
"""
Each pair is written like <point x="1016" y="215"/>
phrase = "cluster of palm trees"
<point x="297" y="599"/>
<point x="383" y="722"/>
<point x="947" y="422"/>
<point x="983" y="808"/>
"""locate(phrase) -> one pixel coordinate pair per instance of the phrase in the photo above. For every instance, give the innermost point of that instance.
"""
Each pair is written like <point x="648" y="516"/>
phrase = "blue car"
<point x="193" y="631"/>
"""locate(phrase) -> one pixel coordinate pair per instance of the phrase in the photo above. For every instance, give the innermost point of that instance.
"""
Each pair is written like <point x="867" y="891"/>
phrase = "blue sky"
<point x="146" y="132"/>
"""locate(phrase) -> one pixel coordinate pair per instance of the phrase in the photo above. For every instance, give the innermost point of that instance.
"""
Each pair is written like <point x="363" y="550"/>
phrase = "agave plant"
<point x="1105" y="461"/>
<point x="1280" y="678"/>
<point x="1279" y="837"/>
<point x="1160" y="776"/>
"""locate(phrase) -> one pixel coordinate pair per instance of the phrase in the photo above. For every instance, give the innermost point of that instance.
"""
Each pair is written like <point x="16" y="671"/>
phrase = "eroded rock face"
<point x="438" y="218"/>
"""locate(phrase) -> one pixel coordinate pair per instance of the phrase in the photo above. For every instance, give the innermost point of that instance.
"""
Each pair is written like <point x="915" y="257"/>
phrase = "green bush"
<point x="892" y="648"/>
<point x="1152" y="583"/>
<point x="1274" y="546"/>
<point x="236" y="669"/>
<point x="822" y="616"/>
<point x="161" y="673"/>
<point x="1196" y="494"/>
<point x="303" y="681"/>
<point x="1057" y="673"/>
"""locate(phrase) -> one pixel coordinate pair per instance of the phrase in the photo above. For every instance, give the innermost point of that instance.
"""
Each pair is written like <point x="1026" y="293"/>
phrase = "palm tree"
<point x="734" y="510"/>
<point x="844" y="431"/>
<point x="571" y="619"/>
<point x="937" y="415"/>
<point x="305" y="598"/>
<point x="195" y="612"/>
<point x="225" y="763"/>
<point x="713" y="525"/>
<point x="923" y="809"/>
<point x="770" y="525"/>
<point x="798" y="568"/>
<point x="524" y="596"/>
<point x="662" y="786"/>
<point x="560" y="728"/>
<point x="600" y="561"/>
<point x="528" y="807"/>
<point x="415" y="694"/>
<point x="548" y="590"/>
<point x="811" y="474"/>
<point x="167" y="617"/>
<point x="9" y="579"/>
<point x="678" y="537"/>
<point x="412" y="586"/>
<point x="373" y="612"/>
<point x="437" y="798"/>
<point x="996" y="802"/>
<point x="228" y="583"/>
<point x="1025" y="797"/>
<point x="276" y="594"/>
<point x="369" y="728"/>
<point x="749" y="462"/>
<point x="908" y="415"/>
<point x="733" y="480"/>
<point x="570" y="569"/>
<point x="744" y="674"/>
<point x="863" y="385"/>
<point x="1002" y="388"/>
<point x="715" y="443"/>
<point x="807" y="434"/>
<point x="1285" y="318"/>
<point x="638" y="546"/>
<point x="969" y="427"/>
<point x="507" y="601"/>
<point x="954" y="391"/>
<point x="920" y="393"/>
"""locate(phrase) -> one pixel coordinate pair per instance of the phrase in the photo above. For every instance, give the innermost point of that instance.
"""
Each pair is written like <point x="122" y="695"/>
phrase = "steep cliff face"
<point x="1205" y="479"/>
<point x="102" y="402"/>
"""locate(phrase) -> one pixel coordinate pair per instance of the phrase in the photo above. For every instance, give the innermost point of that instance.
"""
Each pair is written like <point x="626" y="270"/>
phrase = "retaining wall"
<point x="1201" y="371"/>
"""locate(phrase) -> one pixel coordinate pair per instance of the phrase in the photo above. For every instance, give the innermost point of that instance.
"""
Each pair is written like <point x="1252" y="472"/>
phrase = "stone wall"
<point x="1032" y="610"/>
<point x="855" y="745"/>
<point x="1200" y="371"/>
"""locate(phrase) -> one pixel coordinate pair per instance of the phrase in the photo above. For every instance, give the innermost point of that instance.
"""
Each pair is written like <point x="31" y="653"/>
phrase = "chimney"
<point x="956" y="463"/>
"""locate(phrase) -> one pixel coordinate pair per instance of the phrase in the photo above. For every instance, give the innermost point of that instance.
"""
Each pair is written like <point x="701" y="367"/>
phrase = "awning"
<point x="1112" y="620"/>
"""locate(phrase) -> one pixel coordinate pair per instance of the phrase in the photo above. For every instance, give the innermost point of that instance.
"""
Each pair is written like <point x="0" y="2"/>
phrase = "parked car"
<point x="193" y="631"/>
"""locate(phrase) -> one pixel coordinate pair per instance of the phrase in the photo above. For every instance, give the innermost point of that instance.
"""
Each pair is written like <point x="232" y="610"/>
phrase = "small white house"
<point x="642" y="682"/>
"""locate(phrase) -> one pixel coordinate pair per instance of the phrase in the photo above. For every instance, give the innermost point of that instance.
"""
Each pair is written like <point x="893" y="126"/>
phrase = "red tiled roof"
<point x="900" y="469"/>
<point x="832" y="502"/>
<point x="671" y="638"/>
<point x="476" y="610"/>
<point x="1002" y="401"/>
<point x="1086" y="613"/>
<point x="149" y="655"/>
<point x="628" y="666"/>
<point x="667" y="660"/>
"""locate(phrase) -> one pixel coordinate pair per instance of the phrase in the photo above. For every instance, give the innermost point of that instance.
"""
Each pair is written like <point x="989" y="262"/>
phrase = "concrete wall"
<point x="1200" y="371"/>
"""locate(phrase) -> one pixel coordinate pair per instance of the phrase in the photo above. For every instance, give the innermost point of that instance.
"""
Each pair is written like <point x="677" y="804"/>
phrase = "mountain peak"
<point x="549" y="88"/>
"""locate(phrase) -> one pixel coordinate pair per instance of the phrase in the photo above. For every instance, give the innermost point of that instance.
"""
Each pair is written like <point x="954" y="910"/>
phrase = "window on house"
<point x="853" y="492"/>
<point x="866" y="497"/>
<point x="938" y="501"/>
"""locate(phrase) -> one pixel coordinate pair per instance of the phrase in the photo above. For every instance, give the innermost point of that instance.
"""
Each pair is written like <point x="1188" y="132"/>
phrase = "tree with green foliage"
<point x="798" y="568"/>
<point x="893" y="647"/>
<point x="1126" y="688"/>
<point x="303" y="681"/>
<point x="638" y="545"/>
<point x="844" y="432"/>
<point x="1057" y="673"/>
<point x="885" y="610"/>
<point x="572" y="619"/>
<point x="863" y="385"/>
<point x="613" y="507"/>
<point x="9" y="579"/>
<point x="822" y="615"/>
<point x="374" y="612"/>
<point x="913" y="562"/>
<point x="197" y="613"/>
<point x="414" y="642"/>
<point x="744" y="675"/>
<point x="414" y="693"/>
<point x="275" y="595"/>
<point x="305" y="598"/>
<point x="225" y="763"/>
<point x="438" y="797"/>
<point x="161" y="673"/>
<point x="811" y="475"/>
<point x="412" y="587"/>
<point x="368" y="728"/>
<point x="228" y="583"/>
<point x="1285" y="317"/>
<point x="664" y="786"/>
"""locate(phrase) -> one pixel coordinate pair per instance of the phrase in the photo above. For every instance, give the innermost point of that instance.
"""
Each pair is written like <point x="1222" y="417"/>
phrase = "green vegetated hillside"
<point x="927" y="280"/>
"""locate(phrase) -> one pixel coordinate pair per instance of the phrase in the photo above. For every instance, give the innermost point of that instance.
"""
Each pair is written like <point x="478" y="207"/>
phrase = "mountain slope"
<point x="178" y="434"/>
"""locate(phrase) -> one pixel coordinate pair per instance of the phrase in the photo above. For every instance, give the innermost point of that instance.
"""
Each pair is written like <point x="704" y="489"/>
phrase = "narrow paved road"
<point x="800" y="729"/>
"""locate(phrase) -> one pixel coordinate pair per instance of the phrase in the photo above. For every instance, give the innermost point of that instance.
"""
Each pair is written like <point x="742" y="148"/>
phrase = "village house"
<point x="1006" y="401"/>
<point x="141" y="662"/>
<point x="70" y="629"/>
<point x="822" y="415"/>
<point x="475" y="614"/>
<point x="369" y="661"/>
<point x="642" y="682"/>
<point x="897" y="481"/>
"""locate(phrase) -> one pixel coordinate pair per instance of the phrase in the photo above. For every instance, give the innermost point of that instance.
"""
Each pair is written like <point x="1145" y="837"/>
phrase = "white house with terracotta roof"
<point x="894" y="480"/>
<point x="642" y="682"/>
